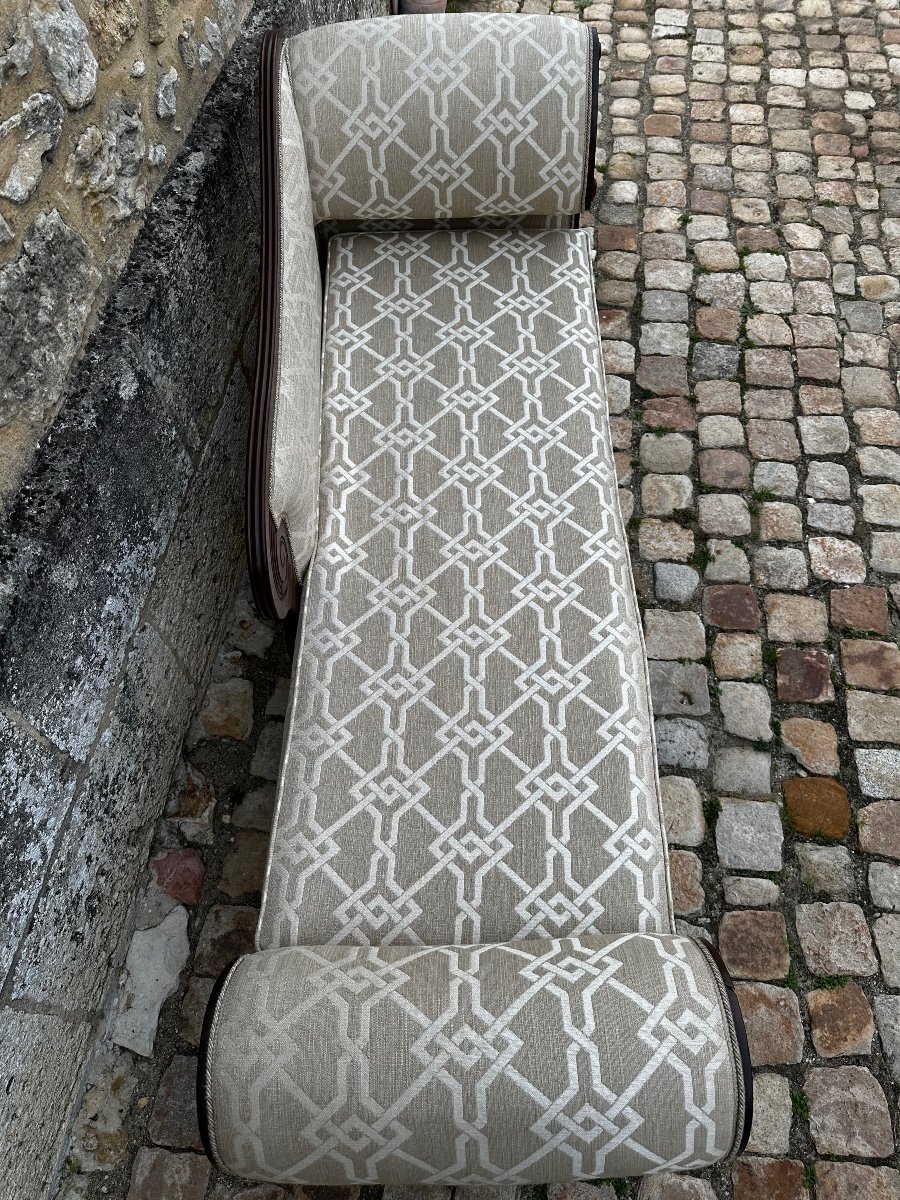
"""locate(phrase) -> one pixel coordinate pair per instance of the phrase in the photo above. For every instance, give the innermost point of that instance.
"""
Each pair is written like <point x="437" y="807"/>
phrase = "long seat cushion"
<point x="469" y="750"/>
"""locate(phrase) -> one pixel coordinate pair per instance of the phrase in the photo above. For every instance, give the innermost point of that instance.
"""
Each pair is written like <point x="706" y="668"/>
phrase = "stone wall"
<point x="124" y="537"/>
<point x="95" y="100"/>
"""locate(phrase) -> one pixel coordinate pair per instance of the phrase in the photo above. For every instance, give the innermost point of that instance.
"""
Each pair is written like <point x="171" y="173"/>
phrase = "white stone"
<point x="879" y="773"/>
<point x="746" y="891"/>
<point x="63" y="39"/>
<point x="881" y="503"/>
<point x="155" y="960"/>
<point x="166" y="102"/>
<point x="673" y="635"/>
<point x="887" y="1016"/>
<point x="827" y="870"/>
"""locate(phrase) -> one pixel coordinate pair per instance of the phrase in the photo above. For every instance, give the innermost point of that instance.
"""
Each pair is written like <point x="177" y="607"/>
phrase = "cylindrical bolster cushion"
<point x="527" y="1062"/>
<point x="470" y="115"/>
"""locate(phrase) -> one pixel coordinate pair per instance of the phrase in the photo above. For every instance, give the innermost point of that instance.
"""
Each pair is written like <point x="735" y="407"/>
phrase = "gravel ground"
<point x="748" y="238"/>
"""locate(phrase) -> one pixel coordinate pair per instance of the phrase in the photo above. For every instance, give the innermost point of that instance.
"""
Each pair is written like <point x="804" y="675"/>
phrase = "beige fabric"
<point x="529" y="1062"/>
<point x="468" y="971"/>
<point x="457" y="116"/>
<point x="296" y="431"/>
<point x="470" y="745"/>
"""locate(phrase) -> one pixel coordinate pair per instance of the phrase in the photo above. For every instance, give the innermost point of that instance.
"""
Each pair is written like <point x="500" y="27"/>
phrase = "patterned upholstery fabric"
<point x="294" y="492"/>
<point x="470" y="744"/>
<point x="467" y="120"/>
<point x="460" y="116"/>
<point x="533" y="1061"/>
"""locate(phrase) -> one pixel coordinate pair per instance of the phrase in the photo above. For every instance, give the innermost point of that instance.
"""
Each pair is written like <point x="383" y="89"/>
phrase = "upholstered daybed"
<point x="467" y="968"/>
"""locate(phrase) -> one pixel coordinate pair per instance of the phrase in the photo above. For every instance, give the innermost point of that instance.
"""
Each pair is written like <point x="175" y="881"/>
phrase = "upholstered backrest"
<point x="463" y="116"/>
<point x="296" y="326"/>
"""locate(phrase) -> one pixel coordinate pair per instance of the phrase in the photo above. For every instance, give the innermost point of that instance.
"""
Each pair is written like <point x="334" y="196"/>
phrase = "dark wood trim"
<point x="270" y="562"/>
<point x="743" y="1047"/>
<point x="590" y="182"/>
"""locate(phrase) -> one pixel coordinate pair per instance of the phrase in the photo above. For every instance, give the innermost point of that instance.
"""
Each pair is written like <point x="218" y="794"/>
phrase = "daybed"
<point x="466" y="966"/>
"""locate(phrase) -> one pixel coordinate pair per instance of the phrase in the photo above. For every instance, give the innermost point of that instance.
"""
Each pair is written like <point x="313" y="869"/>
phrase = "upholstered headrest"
<point x="463" y="116"/>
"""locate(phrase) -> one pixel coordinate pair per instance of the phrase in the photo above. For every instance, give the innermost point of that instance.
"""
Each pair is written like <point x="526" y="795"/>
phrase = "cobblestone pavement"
<point x="748" y="235"/>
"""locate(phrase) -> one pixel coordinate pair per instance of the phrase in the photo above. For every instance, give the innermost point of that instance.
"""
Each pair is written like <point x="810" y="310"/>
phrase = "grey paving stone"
<point x="742" y="772"/>
<point x="683" y="810"/>
<point x="884" y="885"/>
<point x="749" y="835"/>
<point x="676" y="582"/>
<point x="680" y="689"/>
<point x="682" y="743"/>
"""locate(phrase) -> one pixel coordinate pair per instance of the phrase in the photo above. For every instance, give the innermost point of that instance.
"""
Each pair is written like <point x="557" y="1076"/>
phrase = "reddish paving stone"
<point x="848" y="1113"/>
<point x="724" y="469"/>
<point x="731" y="606"/>
<point x="771" y="368"/>
<point x="662" y="375"/>
<point x="755" y="238"/>
<point x="773" y="1024"/>
<point x="879" y="828"/>
<point x="819" y="364"/>
<point x="862" y="608"/>
<point x="662" y="125"/>
<point x="713" y="203"/>
<point x="614" y="323"/>
<point x="841" y="1021"/>
<point x="871" y="664"/>
<point x="687" y="882"/>
<point x="773" y="439"/>
<point x="843" y="1181"/>
<point x="817" y="807"/>
<point x="754" y="944"/>
<point x="769" y="1179"/>
<point x="616" y="237"/>
<point x="812" y="743"/>
<point x="804" y="676"/>
<point x="665" y="413"/>
<point x="718" y="324"/>
<point x="180" y="874"/>
<point x="227" y="933"/>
